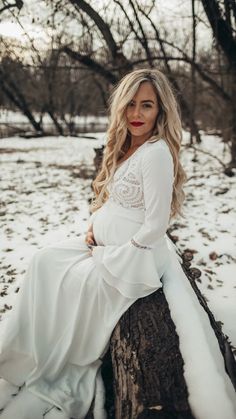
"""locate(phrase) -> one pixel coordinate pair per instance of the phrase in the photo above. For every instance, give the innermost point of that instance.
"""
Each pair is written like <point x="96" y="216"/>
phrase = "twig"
<point x="205" y="152"/>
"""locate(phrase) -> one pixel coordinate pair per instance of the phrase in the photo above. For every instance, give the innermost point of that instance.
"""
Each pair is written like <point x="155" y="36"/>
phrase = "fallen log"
<point x="143" y="370"/>
<point x="147" y="363"/>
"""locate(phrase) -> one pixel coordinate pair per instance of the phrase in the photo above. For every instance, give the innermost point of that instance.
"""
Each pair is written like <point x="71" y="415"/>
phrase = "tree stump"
<point x="97" y="161"/>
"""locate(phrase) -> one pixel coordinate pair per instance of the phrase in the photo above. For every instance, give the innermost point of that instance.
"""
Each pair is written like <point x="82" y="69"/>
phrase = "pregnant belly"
<point x="114" y="225"/>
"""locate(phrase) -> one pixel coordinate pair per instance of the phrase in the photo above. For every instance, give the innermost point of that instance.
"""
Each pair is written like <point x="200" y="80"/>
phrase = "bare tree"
<point x="15" y="94"/>
<point x="193" y="70"/>
<point x="170" y="52"/>
<point x="114" y="39"/>
<point x="222" y="18"/>
<point x="7" y="6"/>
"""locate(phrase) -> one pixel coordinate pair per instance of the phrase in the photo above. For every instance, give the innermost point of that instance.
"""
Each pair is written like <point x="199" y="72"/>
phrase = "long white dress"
<point x="71" y="301"/>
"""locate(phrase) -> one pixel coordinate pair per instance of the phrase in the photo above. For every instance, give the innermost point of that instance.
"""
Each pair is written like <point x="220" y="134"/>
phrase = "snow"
<point x="43" y="200"/>
<point x="209" y="227"/>
<point x="13" y="117"/>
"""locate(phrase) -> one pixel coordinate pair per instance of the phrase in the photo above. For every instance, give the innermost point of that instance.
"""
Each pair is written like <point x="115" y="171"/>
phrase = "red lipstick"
<point x="136" y="123"/>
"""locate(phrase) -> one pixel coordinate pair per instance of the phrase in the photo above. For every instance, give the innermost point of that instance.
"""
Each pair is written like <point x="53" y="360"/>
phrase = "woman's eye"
<point x="144" y="105"/>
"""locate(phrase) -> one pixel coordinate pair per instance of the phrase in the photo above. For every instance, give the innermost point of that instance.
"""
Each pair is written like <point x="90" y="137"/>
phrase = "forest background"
<point x="61" y="58"/>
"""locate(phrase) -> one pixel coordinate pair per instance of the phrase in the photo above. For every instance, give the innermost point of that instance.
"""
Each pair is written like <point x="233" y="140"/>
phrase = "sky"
<point x="176" y="14"/>
<point x="24" y="27"/>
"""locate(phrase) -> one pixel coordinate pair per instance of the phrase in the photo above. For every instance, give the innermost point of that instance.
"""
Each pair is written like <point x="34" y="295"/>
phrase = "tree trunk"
<point x="147" y="364"/>
<point x="58" y="127"/>
<point x="17" y="98"/>
<point x="193" y="76"/>
<point x="147" y="379"/>
<point x="233" y="119"/>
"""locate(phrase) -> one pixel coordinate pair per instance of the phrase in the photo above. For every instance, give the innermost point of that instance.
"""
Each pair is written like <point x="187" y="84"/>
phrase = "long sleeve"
<point x="158" y="176"/>
<point x="135" y="268"/>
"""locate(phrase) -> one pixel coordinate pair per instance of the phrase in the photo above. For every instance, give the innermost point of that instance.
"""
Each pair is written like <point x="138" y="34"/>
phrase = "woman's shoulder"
<point x="157" y="156"/>
<point x="156" y="149"/>
<point x="158" y="144"/>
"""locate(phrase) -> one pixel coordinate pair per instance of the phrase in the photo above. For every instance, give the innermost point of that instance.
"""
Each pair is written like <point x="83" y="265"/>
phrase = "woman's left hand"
<point x="89" y="239"/>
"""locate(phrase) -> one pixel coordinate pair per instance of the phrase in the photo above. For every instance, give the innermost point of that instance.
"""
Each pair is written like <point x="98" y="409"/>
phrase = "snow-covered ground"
<point x="13" y="117"/>
<point x="44" y="200"/>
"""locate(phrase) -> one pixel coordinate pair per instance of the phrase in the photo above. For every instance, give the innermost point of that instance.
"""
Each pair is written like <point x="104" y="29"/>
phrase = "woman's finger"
<point x="89" y="238"/>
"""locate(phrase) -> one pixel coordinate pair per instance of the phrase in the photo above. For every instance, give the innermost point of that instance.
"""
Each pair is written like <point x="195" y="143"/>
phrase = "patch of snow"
<point x="13" y="117"/>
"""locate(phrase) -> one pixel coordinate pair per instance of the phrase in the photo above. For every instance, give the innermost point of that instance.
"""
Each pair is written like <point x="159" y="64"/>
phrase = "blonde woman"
<point x="76" y="291"/>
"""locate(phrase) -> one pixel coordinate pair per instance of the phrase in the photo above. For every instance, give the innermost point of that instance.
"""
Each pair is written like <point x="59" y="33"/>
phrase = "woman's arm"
<point x="158" y="177"/>
<point x="131" y="268"/>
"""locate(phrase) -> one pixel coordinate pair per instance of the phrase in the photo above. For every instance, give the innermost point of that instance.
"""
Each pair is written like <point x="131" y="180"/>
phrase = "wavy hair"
<point x="167" y="127"/>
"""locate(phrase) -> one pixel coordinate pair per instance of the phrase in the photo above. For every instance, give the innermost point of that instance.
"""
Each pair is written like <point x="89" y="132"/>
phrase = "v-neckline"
<point x="128" y="158"/>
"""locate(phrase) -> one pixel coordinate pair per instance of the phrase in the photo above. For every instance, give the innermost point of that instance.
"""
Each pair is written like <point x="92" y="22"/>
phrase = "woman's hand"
<point x="89" y="238"/>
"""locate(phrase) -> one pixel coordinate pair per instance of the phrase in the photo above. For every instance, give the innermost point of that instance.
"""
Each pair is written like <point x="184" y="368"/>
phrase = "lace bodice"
<point x="126" y="187"/>
<point x="144" y="181"/>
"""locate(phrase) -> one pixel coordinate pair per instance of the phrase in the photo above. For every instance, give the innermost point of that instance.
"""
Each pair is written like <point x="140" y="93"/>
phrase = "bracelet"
<point x="139" y="245"/>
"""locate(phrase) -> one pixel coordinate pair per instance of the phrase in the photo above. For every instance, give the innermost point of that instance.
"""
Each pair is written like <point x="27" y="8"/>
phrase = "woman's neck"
<point x="136" y="144"/>
<point x="138" y="141"/>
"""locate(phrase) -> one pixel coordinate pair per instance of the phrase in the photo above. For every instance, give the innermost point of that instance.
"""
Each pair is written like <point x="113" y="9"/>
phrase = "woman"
<point x="76" y="291"/>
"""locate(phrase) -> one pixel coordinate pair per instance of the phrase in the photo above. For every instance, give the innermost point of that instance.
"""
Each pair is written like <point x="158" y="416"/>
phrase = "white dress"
<point x="71" y="301"/>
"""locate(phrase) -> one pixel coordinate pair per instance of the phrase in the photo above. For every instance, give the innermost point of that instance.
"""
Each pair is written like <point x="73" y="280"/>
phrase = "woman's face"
<point x="141" y="113"/>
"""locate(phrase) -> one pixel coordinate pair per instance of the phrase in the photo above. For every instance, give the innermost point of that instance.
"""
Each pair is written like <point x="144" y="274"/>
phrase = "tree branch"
<point x="119" y="3"/>
<point x="92" y="64"/>
<point x="143" y="38"/>
<point x="102" y="26"/>
<point x="18" y="4"/>
<point x="188" y="60"/>
<point x="207" y="153"/>
<point x="185" y="58"/>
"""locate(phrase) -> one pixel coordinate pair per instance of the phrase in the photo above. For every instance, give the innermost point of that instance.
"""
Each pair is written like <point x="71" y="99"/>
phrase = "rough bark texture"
<point x="147" y="364"/>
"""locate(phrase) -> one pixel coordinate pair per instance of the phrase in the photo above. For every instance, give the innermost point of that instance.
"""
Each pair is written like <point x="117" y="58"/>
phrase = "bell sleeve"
<point x="131" y="268"/>
<point x="158" y="177"/>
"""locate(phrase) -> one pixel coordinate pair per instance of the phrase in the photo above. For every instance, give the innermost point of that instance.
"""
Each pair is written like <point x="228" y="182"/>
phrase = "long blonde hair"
<point x="167" y="127"/>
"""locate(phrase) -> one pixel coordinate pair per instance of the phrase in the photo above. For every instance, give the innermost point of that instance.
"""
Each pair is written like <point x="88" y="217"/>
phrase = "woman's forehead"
<point x="145" y="92"/>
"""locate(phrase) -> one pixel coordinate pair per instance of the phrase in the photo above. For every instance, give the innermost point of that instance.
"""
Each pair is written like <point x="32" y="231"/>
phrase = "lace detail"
<point x="139" y="245"/>
<point x="126" y="188"/>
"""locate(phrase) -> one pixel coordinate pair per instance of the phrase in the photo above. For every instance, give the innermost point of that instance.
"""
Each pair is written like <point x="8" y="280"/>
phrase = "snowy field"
<point x="12" y="117"/>
<point x="44" y="200"/>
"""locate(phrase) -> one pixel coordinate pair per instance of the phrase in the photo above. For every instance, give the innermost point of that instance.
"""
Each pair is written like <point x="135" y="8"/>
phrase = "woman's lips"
<point x="136" y="123"/>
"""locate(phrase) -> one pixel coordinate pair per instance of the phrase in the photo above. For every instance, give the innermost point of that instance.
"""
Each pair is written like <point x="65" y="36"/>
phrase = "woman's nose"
<point x="136" y="111"/>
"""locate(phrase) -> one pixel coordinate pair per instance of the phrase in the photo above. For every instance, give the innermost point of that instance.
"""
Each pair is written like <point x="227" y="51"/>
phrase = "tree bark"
<point x="233" y="121"/>
<point x="224" y="33"/>
<point x="100" y="23"/>
<point x="53" y="117"/>
<point x="147" y="364"/>
<point x="147" y="379"/>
